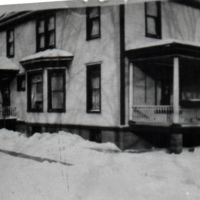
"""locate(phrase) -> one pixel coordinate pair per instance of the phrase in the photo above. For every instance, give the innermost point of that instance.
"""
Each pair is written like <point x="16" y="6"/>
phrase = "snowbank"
<point x="57" y="146"/>
<point x="93" y="175"/>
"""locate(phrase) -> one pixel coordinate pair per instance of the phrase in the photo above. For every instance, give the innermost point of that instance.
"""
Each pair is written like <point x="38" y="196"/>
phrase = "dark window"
<point x="95" y="136"/>
<point x="93" y="23"/>
<point x="153" y="19"/>
<point x="93" y="88"/>
<point x="21" y="83"/>
<point x="56" y="90"/>
<point x="5" y="92"/>
<point x="10" y="43"/>
<point x="45" y="31"/>
<point x="35" y="91"/>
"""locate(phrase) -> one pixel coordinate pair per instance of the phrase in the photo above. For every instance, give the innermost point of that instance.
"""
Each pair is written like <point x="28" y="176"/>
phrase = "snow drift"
<point x="97" y="171"/>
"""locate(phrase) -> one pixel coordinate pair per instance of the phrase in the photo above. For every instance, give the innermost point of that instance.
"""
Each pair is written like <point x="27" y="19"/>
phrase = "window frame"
<point x="89" y="22"/>
<point x="29" y="75"/>
<point x="20" y="79"/>
<point x="157" y="20"/>
<point x="46" y="33"/>
<point x="91" y="68"/>
<point x="10" y="43"/>
<point x="50" y="72"/>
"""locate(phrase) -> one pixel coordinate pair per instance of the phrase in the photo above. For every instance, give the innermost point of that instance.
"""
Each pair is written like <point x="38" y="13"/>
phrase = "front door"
<point x="165" y="92"/>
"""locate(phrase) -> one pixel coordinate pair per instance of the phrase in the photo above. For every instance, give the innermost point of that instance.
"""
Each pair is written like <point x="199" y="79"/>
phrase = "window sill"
<point x="94" y="111"/>
<point x="56" y="111"/>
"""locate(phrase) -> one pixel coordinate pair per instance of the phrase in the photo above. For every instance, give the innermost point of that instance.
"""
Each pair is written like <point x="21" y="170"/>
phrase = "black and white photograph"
<point x="100" y="100"/>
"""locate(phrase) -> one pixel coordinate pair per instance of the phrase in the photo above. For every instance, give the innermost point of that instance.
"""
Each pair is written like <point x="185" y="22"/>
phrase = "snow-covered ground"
<point x="96" y="171"/>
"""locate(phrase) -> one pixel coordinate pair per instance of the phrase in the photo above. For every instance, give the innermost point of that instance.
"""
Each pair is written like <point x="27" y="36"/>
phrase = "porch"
<point x="164" y="89"/>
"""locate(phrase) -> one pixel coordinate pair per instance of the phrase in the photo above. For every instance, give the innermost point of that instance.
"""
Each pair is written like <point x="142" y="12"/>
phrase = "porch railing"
<point x="164" y="114"/>
<point x="152" y="114"/>
<point x="189" y="115"/>
<point x="8" y="112"/>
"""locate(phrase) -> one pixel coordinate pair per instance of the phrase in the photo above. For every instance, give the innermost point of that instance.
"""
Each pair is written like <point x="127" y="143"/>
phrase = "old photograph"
<point x="100" y="99"/>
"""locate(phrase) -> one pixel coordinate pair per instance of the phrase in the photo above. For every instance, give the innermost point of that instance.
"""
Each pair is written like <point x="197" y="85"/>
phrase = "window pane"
<point x="11" y="36"/>
<point x="51" y="23"/>
<point x="95" y="27"/>
<point x="95" y="80"/>
<point x="41" y="41"/>
<point x="94" y="12"/>
<point x="57" y="83"/>
<point x="36" y="91"/>
<point x="11" y="49"/>
<point x="57" y="100"/>
<point x="151" y="26"/>
<point x="56" y="93"/>
<point x="152" y="9"/>
<point x="93" y="92"/>
<point x="41" y="27"/>
<point x="95" y="99"/>
<point x="51" y="39"/>
<point x="36" y="78"/>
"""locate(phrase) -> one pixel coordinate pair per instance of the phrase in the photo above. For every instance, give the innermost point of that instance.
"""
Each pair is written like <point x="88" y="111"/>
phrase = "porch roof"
<point x="164" y="49"/>
<point x="7" y="65"/>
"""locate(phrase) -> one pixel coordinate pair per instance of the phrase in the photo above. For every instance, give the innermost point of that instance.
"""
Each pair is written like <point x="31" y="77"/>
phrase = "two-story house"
<point x="125" y="73"/>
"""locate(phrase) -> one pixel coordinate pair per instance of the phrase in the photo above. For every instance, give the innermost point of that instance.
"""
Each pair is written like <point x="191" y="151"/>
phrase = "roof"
<point x="6" y="64"/>
<point x="54" y="58"/>
<point x="64" y="4"/>
<point x="165" y="48"/>
<point x="48" y="54"/>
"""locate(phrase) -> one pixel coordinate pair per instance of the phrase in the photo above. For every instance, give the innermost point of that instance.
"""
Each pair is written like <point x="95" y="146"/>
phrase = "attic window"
<point x="153" y="19"/>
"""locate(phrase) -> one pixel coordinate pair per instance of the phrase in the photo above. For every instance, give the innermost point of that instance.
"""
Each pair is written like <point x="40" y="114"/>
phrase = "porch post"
<point x="176" y="137"/>
<point x="130" y="90"/>
<point x="176" y="90"/>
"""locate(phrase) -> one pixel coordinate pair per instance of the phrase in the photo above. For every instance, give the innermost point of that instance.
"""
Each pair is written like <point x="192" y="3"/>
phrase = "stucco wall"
<point x="71" y="36"/>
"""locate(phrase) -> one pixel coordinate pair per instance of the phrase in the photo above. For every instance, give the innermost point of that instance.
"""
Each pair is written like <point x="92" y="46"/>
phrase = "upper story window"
<point x="56" y="90"/>
<point x="93" y="88"/>
<point x="153" y="19"/>
<point x="10" y="43"/>
<point x="35" y="91"/>
<point x="45" y="33"/>
<point x="93" y="23"/>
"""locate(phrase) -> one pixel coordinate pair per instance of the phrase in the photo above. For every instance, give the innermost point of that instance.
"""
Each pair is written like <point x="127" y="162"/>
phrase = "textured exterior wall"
<point x="71" y="37"/>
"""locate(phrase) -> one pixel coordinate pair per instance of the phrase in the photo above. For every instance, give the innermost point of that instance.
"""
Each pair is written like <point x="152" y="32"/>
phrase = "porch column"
<point x="176" y="90"/>
<point x="176" y="137"/>
<point x="130" y="90"/>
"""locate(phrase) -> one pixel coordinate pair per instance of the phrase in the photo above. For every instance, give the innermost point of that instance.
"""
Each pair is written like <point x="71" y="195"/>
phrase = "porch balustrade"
<point x="7" y="112"/>
<point x="164" y="114"/>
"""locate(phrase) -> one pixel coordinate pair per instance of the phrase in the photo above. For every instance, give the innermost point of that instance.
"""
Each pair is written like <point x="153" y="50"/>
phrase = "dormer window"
<point x="153" y="19"/>
<point x="45" y="30"/>
<point x="93" y="23"/>
<point x="10" y="43"/>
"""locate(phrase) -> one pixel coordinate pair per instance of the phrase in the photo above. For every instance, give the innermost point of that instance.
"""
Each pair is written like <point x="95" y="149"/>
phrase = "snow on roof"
<point x="165" y="42"/>
<point x="6" y="64"/>
<point x="50" y="53"/>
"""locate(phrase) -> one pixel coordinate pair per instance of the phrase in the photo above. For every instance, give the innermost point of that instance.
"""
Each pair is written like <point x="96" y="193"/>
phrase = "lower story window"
<point x="35" y="91"/>
<point x="93" y="88"/>
<point x="56" y="90"/>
